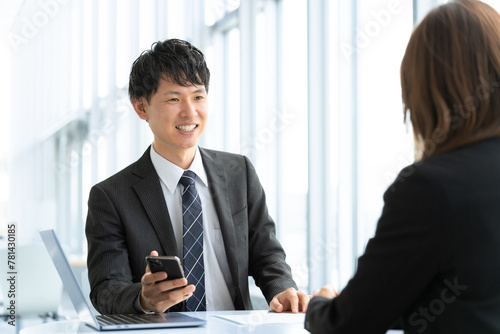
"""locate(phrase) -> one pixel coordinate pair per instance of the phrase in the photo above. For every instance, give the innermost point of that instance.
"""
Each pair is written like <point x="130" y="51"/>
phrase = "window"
<point x="381" y="154"/>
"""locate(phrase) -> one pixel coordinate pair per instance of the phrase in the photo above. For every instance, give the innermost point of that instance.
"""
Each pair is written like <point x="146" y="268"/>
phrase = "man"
<point x="138" y="211"/>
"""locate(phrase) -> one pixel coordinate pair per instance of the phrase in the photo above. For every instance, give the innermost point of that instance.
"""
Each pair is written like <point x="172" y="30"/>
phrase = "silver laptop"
<point x="107" y="322"/>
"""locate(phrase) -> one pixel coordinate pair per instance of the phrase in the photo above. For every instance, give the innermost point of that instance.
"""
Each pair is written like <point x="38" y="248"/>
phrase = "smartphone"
<point x="170" y="264"/>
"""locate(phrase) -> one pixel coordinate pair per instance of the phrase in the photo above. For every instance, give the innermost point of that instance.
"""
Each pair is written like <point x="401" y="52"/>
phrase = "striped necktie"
<point x="192" y="217"/>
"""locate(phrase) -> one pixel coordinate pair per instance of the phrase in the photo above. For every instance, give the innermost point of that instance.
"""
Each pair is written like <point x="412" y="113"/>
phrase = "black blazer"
<point x="128" y="218"/>
<point x="434" y="261"/>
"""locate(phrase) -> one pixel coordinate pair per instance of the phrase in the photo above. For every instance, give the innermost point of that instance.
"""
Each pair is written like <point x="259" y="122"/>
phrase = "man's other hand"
<point x="290" y="300"/>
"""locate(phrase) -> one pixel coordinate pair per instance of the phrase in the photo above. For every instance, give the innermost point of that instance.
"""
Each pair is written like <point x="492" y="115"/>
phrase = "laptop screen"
<point x="68" y="277"/>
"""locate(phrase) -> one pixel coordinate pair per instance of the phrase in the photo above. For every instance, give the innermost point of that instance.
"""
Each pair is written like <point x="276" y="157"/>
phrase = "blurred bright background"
<point x="309" y="90"/>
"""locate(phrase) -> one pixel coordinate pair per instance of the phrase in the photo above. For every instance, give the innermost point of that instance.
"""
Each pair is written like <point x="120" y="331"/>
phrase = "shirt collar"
<point x="170" y="173"/>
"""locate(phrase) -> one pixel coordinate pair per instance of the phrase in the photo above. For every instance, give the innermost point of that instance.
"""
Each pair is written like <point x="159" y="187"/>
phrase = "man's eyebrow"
<point x="172" y="92"/>
<point x="199" y="90"/>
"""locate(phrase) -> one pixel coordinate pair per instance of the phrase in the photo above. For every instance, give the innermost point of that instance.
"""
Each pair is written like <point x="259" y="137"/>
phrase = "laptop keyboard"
<point x="129" y="319"/>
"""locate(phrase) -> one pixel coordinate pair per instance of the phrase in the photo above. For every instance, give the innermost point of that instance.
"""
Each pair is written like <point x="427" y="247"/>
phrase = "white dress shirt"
<point x="217" y="276"/>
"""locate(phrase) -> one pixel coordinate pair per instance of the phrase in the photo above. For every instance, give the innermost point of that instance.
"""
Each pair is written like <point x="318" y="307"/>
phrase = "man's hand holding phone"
<point x="159" y="292"/>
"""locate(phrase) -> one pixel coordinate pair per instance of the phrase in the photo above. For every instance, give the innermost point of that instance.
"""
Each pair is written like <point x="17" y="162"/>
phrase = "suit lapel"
<point x="149" y="191"/>
<point x="218" y="180"/>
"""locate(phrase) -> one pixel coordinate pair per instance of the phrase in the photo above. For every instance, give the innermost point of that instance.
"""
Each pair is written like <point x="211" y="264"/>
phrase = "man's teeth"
<point x="186" y="128"/>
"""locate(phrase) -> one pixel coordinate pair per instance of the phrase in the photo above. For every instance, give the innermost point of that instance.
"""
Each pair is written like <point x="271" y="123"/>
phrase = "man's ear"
<point x="140" y="107"/>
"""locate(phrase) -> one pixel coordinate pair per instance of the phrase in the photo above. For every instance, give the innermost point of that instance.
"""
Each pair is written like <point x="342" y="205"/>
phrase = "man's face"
<point x="177" y="116"/>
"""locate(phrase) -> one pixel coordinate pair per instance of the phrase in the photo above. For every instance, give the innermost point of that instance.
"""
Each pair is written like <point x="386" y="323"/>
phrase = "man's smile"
<point x="186" y="128"/>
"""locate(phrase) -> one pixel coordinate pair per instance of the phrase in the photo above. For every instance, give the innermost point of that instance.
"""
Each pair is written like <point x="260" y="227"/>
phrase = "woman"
<point x="434" y="262"/>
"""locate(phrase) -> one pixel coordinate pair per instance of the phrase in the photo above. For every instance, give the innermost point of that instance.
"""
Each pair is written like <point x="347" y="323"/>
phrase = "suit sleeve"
<point x="398" y="265"/>
<point x="110" y="277"/>
<point x="267" y="262"/>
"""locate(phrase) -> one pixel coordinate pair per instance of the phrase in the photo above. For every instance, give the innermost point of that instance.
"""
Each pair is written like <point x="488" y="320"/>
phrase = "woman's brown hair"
<point x="450" y="77"/>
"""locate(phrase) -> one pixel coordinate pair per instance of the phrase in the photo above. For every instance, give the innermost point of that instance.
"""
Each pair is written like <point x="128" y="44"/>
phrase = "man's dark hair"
<point x="175" y="60"/>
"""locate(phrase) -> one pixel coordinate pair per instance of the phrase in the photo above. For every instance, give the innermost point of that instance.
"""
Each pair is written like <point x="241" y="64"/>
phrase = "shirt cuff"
<point x="138" y="307"/>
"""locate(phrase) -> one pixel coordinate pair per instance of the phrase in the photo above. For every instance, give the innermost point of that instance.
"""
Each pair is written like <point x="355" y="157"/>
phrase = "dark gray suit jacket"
<point x="434" y="261"/>
<point x="128" y="218"/>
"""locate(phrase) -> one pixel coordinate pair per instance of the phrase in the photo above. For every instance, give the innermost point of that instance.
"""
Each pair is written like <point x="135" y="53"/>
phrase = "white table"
<point x="218" y="322"/>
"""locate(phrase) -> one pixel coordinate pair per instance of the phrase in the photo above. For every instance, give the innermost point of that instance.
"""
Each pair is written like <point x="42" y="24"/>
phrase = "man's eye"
<point x="174" y="99"/>
<point x="199" y="97"/>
